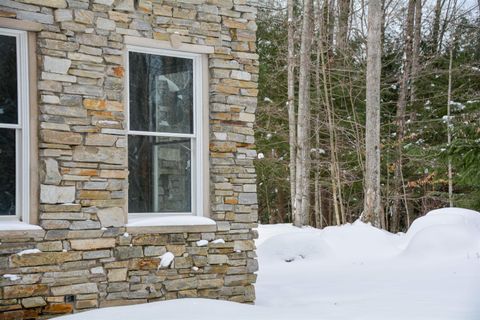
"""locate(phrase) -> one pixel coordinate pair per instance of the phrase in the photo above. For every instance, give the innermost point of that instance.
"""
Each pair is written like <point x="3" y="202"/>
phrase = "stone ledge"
<point x="21" y="24"/>
<point x="18" y="229"/>
<point x="170" y="224"/>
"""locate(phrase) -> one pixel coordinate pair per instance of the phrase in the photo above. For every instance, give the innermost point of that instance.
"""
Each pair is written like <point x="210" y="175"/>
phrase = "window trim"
<point x="198" y="149"/>
<point x="22" y="129"/>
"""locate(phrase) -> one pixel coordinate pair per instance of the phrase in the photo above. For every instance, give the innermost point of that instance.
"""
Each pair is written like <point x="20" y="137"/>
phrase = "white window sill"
<point x="170" y="224"/>
<point x="10" y="228"/>
<point x="16" y="225"/>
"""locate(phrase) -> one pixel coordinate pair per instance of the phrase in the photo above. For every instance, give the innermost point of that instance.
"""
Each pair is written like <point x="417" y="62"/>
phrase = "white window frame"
<point x="196" y="138"/>
<point x="22" y="152"/>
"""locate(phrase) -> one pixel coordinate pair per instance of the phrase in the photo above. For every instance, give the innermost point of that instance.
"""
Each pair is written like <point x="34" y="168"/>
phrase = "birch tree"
<point x="373" y="211"/>
<point x="303" y="163"/>
<point x="292" y="126"/>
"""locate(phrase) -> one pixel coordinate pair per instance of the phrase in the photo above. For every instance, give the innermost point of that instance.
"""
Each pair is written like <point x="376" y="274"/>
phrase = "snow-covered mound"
<point x="294" y="246"/>
<point x="443" y="233"/>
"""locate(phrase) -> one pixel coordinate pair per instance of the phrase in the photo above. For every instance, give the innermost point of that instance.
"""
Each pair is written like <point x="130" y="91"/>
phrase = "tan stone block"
<point x="162" y="10"/>
<point x="33" y="302"/>
<point x="94" y="194"/>
<point x="118" y="16"/>
<point x="113" y="174"/>
<point x="176" y="249"/>
<point x="60" y="137"/>
<point x="234" y="24"/>
<point x="49" y="3"/>
<point x="100" y="140"/>
<point x="184" y="13"/>
<point x="85" y="304"/>
<point x="75" y="289"/>
<point x="43" y="258"/>
<point x="150" y="239"/>
<point x="22" y="291"/>
<point x="92" y="244"/>
<point x="116" y="275"/>
<point x="223" y="147"/>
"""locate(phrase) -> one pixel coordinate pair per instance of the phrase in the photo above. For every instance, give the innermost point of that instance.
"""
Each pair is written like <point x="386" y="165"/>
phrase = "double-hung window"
<point x="164" y="132"/>
<point x="14" y="102"/>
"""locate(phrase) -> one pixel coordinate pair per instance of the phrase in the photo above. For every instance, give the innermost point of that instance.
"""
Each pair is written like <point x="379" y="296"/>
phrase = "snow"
<point x="16" y="225"/>
<point x="349" y="272"/>
<point x="169" y="220"/>
<point x="218" y="241"/>
<point x="202" y="243"/>
<point x="166" y="259"/>
<point x="12" y="277"/>
<point x="28" y="251"/>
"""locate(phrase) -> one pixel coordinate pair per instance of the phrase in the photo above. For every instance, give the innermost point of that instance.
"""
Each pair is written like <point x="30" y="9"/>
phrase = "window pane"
<point x="8" y="79"/>
<point x="161" y="93"/>
<point x="159" y="174"/>
<point x="7" y="168"/>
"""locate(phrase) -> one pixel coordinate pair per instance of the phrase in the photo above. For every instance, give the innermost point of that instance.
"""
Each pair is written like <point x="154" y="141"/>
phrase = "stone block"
<point x="60" y="137"/>
<point x="33" y="302"/>
<point x="124" y="253"/>
<point x="49" y="173"/>
<point x="48" y="3"/>
<point x="74" y="289"/>
<point x="99" y="154"/>
<point x="111" y="217"/>
<point x="24" y="291"/>
<point x="92" y="244"/>
<point x="181" y="284"/>
<point x="117" y="275"/>
<point x="56" y="194"/>
<point x="56" y="65"/>
<point x="43" y="258"/>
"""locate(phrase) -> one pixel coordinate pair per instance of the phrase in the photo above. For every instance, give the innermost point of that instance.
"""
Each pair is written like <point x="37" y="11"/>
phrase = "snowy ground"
<point x="350" y="272"/>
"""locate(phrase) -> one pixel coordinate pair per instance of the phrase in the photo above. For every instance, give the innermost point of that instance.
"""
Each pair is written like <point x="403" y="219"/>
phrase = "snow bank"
<point x="293" y="246"/>
<point x="444" y="233"/>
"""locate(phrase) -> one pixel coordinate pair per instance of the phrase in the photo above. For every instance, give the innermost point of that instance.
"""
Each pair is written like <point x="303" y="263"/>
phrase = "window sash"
<point x="22" y="151"/>
<point x="195" y="137"/>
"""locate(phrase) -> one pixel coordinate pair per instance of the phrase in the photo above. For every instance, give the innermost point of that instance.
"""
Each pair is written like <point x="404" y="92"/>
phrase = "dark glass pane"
<point x="7" y="168"/>
<point x="8" y="80"/>
<point x="159" y="174"/>
<point x="161" y="93"/>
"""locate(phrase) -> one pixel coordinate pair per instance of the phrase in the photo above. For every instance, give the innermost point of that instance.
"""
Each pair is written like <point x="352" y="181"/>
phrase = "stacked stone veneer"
<point x="88" y="257"/>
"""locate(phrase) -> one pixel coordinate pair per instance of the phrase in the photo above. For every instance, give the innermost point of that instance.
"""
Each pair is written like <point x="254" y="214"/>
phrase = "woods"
<point x="367" y="110"/>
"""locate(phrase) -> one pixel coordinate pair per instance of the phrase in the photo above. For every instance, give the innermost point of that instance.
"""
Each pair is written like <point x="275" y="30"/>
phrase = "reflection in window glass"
<point x="159" y="174"/>
<point x="7" y="168"/>
<point x="161" y="93"/>
<point x="8" y="79"/>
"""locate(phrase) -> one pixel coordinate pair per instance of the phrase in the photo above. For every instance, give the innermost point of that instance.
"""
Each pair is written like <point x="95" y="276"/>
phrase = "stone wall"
<point x="88" y="257"/>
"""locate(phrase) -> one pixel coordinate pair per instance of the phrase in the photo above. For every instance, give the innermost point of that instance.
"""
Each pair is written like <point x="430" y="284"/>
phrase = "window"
<point x="164" y="132"/>
<point x="14" y="155"/>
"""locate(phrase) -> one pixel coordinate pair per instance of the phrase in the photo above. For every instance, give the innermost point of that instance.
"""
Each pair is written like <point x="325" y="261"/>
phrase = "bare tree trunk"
<point x="342" y="33"/>
<point x="417" y="38"/>
<point x="302" y="179"/>
<point x="400" y="118"/>
<point x="318" y="195"/>
<point x="449" y="127"/>
<point x="331" y="134"/>
<point x="292" y="126"/>
<point x="373" y="211"/>
<point x="436" y="26"/>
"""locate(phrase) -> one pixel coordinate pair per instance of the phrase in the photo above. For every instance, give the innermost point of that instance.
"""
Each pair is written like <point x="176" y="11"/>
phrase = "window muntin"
<point x="14" y="142"/>
<point x="164" y="143"/>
